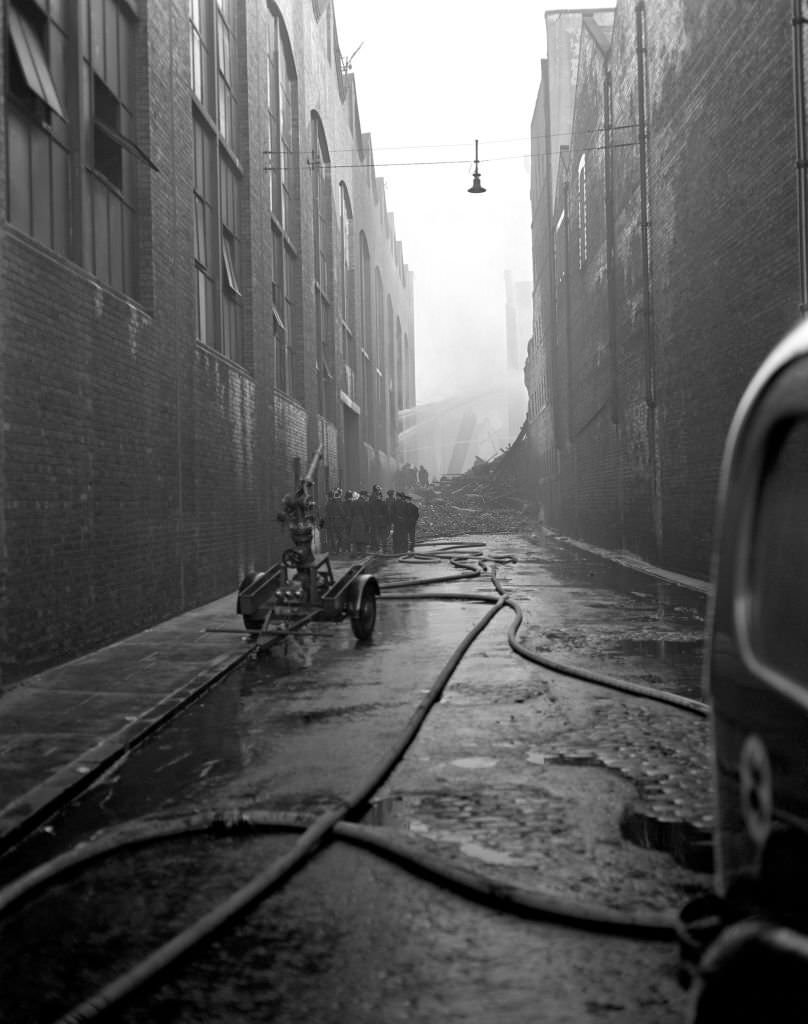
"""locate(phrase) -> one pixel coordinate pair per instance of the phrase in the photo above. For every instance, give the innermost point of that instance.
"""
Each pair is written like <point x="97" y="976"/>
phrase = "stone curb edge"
<point x="22" y="816"/>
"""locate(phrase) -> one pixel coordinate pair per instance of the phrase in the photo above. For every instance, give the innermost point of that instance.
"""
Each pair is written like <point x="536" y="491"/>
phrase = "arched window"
<point x="387" y="365"/>
<point x="583" y="219"/>
<point x="399" y="368"/>
<point x="346" y="300"/>
<point x="284" y="205"/>
<point x="408" y="383"/>
<point x="378" y="302"/>
<point x="323" y="269"/>
<point x="366" y="332"/>
<point x="364" y="293"/>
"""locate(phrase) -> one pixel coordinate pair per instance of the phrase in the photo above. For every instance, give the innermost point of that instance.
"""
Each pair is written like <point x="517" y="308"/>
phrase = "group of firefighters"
<point x="356" y="522"/>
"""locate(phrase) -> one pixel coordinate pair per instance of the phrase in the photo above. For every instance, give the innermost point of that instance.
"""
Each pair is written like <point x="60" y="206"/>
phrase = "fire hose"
<point x="339" y="822"/>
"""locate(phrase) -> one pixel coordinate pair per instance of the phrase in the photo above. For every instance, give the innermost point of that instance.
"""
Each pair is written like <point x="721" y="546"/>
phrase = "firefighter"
<point x="379" y="521"/>
<point x="358" y="522"/>
<point x="410" y="515"/>
<point x="399" y="524"/>
<point x="390" y="504"/>
<point x="335" y="521"/>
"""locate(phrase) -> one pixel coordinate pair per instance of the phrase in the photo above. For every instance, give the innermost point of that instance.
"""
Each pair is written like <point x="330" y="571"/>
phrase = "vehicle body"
<point x="756" y="678"/>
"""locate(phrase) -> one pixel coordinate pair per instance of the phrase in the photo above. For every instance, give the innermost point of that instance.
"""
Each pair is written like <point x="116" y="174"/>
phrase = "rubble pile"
<point x="488" y="498"/>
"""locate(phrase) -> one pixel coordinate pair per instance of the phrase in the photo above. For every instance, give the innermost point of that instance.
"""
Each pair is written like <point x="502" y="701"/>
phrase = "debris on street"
<point x="488" y="498"/>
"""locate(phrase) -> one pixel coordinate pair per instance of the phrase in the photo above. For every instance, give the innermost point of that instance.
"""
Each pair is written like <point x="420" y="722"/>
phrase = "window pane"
<point x="200" y="232"/>
<point x="32" y="61"/>
<point x="277" y="271"/>
<point x="41" y="198"/>
<point x="125" y="47"/>
<point x="19" y="171"/>
<point x="197" y="75"/>
<point x="97" y="35"/>
<point x="100" y="230"/>
<point x="128" y="246"/>
<point x="111" y="67"/>
<point x="59" y="203"/>
<point x="115" y="242"/>
<point x="229" y="261"/>
<point x="201" y="326"/>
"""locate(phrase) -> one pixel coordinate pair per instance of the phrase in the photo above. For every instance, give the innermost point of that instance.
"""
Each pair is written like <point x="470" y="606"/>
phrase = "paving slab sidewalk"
<point x="60" y="729"/>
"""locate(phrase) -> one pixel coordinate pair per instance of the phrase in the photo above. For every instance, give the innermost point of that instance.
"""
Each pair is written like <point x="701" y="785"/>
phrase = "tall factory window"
<point x="583" y="224"/>
<point x="365" y="311"/>
<point x="109" y="245"/>
<point x="346" y="299"/>
<point x="217" y="177"/>
<point x="378" y="305"/>
<point x="364" y="292"/>
<point x="323" y="269"/>
<point x="201" y="38"/>
<point x="389" y="336"/>
<point x="399" y="369"/>
<point x="205" y="232"/>
<point x="71" y="94"/>
<point x="408" y="382"/>
<point x="394" y="391"/>
<point x="225" y="69"/>
<point x="283" y="188"/>
<point x="38" y="140"/>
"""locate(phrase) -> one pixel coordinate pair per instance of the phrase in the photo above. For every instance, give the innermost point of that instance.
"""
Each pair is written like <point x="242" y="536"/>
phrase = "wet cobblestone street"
<point x="525" y="775"/>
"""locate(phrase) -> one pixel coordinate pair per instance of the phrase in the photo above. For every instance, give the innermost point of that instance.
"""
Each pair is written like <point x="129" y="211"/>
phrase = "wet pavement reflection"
<point x="542" y="781"/>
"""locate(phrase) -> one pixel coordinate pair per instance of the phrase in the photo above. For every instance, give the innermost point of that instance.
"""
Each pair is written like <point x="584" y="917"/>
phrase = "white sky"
<point x="434" y="75"/>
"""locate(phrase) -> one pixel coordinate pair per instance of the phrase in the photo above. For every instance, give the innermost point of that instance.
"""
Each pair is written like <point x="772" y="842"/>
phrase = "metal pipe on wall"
<point x="645" y="226"/>
<point x="799" y="21"/>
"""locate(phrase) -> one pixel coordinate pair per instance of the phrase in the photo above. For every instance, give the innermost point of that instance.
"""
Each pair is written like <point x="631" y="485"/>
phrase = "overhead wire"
<point x="483" y="142"/>
<point x="433" y="163"/>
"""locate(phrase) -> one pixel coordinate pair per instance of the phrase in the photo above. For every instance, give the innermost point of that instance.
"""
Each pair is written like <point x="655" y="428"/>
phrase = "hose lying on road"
<point x="475" y="885"/>
<point x="274" y="875"/>
<point x="340" y="821"/>
<point x="675" y="700"/>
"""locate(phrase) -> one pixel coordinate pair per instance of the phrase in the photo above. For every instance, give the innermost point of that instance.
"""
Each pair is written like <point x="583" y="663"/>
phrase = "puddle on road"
<point x="689" y="845"/>
<point x="487" y="855"/>
<point x="474" y="762"/>
<point x="384" y="812"/>
<point x="684" y="654"/>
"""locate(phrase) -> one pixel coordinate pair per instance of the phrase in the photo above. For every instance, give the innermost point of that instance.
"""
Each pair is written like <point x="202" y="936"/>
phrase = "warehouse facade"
<point x="200" y="284"/>
<point x="666" y="245"/>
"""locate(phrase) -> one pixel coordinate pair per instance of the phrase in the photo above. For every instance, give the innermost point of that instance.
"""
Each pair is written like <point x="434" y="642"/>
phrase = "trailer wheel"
<point x="365" y="619"/>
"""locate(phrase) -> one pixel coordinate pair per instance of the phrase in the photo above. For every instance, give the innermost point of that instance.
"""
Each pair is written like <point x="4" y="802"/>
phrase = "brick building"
<point x="200" y="282"/>
<point x="666" y="258"/>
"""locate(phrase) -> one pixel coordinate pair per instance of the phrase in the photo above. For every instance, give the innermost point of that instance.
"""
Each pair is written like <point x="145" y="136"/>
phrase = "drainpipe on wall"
<point x="645" y="224"/>
<point x="799" y="21"/>
<point x="569" y="440"/>
<point x="608" y="140"/>
<point x="551" y="336"/>
<point x="179" y="362"/>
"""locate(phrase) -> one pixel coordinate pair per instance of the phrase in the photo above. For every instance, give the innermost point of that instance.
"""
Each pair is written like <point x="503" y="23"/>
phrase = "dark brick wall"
<point x="725" y="236"/>
<point x="724" y="273"/>
<point x="141" y="472"/>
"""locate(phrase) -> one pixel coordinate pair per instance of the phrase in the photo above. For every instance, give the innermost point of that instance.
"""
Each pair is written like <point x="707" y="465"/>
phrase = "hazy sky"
<point x="431" y="77"/>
